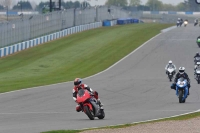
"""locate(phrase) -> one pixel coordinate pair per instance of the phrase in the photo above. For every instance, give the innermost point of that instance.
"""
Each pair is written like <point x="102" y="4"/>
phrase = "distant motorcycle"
<point x="89" y="105"/>
<point x="197" y="75"/>
<point x="197" y="72"/>
<point x="182" y="89"/>
<point x="196" y="59"/>
<point x="178" y="23"/>
<point x="185" y="23"/>
<point x="195" y="22"/>
<point x="170" y="73"/>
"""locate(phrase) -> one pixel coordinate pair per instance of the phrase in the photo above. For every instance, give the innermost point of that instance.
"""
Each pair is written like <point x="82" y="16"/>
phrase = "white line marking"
<point x="124" y="57"/>
<point x="152" y="111"/>
<point x="107" y="70"/>
<point x="168" y="29"/>
<point x="141" y="121"/>
<point x="167" y="117"/>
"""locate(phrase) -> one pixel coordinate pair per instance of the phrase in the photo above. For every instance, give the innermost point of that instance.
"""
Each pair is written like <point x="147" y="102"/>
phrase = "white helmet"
<point x="181" y="70"/>
<point x="170" y="62"/>
<point x="198" y="63"/>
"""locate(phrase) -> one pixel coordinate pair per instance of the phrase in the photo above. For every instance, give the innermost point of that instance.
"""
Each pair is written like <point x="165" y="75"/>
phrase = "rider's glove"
<point x="189" y="85"/>
<point x="92" y="93"/>
<point x="75" y="99"/>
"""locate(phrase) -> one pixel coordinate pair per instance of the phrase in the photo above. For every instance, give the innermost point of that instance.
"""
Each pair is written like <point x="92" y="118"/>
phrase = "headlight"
<point x="197" y="1"/>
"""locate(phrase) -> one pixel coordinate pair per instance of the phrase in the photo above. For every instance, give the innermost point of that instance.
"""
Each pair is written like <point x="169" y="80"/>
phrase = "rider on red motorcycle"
<point x="78" y="85"/>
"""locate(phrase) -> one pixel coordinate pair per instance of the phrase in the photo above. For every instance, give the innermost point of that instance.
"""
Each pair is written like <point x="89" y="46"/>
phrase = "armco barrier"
<point x="122" y="21"/>
<point x="169" y="12"/>
<point x="40" y="40"/>
<point x="172" y="12"/>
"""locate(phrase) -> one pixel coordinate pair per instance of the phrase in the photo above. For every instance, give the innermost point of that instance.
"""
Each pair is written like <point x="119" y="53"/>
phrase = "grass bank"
<point x="78" y="55"/>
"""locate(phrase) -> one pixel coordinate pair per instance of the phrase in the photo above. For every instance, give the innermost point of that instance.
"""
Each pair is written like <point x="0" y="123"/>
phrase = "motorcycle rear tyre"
<point x="170" y="78"/>
<point x="183" y="101"/>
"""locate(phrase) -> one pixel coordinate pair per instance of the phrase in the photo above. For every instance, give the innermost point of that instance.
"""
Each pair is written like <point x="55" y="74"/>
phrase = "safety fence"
<point x="32" y="26"/>
<point x="165" y="16"/>
<point x="43" y="39"/>
<point x="171" y="12"/>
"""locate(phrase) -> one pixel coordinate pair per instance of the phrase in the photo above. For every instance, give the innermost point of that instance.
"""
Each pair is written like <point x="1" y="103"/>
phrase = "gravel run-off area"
<point x="181" y="126"/>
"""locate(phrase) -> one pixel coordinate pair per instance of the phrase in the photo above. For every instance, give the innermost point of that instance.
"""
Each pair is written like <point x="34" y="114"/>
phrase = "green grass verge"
<point x="183" y="117"/>
<point x="78" y="55"/>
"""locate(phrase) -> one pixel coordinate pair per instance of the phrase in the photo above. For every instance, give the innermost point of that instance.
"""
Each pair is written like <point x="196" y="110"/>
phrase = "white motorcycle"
<point x="170" y="73"/>
<point x="196" y="59"/>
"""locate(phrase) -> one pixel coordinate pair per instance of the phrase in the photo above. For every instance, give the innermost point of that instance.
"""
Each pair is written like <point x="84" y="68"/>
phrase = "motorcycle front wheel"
<point x="180" y="96"/>
<point x="170" y="77"/>
<point x="88" y="112"/>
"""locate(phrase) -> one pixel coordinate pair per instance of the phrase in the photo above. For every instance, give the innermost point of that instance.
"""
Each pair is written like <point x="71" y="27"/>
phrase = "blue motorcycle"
<point x="182" y="89"/>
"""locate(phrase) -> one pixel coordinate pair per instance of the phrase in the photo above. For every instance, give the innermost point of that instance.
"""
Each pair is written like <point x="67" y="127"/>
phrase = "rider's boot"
<point x="99" y="102"/>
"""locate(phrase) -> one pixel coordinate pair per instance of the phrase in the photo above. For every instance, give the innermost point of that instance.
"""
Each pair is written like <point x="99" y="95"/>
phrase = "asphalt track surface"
<point x="135" y="89"/>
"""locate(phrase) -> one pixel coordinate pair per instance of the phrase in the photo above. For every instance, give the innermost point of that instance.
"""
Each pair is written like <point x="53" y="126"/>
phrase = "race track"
<point x="135" y="89"/>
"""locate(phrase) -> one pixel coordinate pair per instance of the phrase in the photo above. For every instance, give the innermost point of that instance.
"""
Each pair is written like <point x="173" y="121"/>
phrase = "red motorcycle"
<point x="89" y="104"/>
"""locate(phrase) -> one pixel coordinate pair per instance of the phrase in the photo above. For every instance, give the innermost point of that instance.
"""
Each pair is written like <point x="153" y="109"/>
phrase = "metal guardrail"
<point x="43" y="39"/>
<point x="32" y="26"/>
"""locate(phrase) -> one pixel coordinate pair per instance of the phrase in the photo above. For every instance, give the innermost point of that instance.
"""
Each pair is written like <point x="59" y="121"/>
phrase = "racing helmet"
<point x="77" y="82"/>
<point x="198" y="63"/>
<point x="181" y="70"/>
<point x="170" y="62"/>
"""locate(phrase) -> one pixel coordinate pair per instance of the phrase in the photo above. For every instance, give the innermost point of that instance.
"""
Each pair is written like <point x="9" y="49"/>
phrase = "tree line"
<point x="156" y="5"/>
<point x="151" y="5"/>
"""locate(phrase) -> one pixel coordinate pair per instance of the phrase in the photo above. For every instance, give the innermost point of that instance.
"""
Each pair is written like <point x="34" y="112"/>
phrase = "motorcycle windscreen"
<point x="82" y="95"/>
<point x="181" y="79"/>
<point x="182" y="82"/>
<point x="81" y="92"/>
<point x="198" y="71"/>
<point x="197" y="58"/>
<point x="170" y="69"/>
